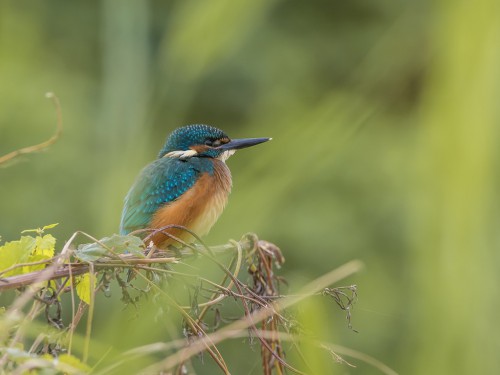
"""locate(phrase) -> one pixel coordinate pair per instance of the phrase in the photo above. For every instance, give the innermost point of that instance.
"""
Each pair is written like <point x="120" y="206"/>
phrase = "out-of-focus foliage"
<point x="385" y="124"/>
<point x="48" y="364"/>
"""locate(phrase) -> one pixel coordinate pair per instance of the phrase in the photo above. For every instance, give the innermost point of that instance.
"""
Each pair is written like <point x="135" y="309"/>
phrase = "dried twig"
<point x="45" y="144"/>
<point x="236" y="328"/>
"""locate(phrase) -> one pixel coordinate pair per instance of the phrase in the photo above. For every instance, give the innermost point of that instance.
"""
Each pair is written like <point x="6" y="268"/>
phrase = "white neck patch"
<point x="186" y="154"/>
<point x="181" y="154"/>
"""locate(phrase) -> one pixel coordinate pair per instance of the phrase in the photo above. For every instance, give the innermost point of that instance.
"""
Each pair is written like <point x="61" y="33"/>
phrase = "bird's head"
<point x="204" y="141"/>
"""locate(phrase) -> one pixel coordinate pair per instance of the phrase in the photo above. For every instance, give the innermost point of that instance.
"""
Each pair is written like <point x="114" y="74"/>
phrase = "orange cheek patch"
<point x="200" y="149"/>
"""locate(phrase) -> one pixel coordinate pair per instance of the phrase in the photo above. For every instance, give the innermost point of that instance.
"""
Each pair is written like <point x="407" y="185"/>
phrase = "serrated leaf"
<point x="83" y="288"/>
<point x="27" y="244"/>
<point x="27" y="249"/>
<point x="15" y="252"/>
<point x="45" y="246"/>
<point x="116" y="243"/>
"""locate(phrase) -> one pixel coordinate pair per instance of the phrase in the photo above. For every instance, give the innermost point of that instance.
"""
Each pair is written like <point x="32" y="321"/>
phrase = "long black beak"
<point x="236" y="144"/>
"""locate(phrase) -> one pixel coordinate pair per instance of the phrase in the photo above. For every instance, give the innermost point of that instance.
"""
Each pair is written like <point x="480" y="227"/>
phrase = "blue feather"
<point x="160" y="183"/>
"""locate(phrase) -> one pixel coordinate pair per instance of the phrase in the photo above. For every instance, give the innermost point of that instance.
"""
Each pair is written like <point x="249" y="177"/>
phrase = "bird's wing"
<point x="161" y="182"/>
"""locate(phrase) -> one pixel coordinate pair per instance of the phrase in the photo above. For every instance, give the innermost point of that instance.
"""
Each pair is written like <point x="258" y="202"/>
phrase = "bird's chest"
<point x="199" y="207"/>
<point x="211" y="198"/>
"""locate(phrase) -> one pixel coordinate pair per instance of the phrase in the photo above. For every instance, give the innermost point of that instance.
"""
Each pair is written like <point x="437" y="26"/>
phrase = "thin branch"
<point x="208" y="346"/>
<point x="232" y="330"/>
<point x="45" y="144"/>
<point x="361" y="356"/>
<point x="21" y="265"/>
<point x="332" y="348"/>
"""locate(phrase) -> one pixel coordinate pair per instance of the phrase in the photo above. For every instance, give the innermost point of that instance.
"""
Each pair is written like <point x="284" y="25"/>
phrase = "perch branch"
<point x="63" y="270"/>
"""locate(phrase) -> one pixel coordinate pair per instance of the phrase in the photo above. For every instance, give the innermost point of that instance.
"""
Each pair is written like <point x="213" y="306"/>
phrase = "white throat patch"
<point x="225" y="155"/>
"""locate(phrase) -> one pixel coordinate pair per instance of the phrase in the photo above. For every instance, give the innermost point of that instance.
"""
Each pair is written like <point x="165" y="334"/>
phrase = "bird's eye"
<point x="208" y="142"/>
<point x="216" y="143"/>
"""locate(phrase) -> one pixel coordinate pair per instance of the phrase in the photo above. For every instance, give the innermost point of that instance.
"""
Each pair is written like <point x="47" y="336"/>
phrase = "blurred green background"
<point x="385" y="124"/>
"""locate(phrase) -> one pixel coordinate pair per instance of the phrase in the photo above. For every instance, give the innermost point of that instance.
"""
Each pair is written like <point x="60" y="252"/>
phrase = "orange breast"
<point x="197" y="209"/>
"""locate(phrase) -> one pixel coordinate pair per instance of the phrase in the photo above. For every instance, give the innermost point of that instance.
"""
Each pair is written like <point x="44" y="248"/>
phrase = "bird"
<point x="187" y="185"/>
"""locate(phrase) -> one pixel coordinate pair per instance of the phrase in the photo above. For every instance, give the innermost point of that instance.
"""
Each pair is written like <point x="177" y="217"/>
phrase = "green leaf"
<point x="26" y="250"/>
<point x="83" y="288"/>
<point x="15" y="252"/>
<point x="50" y="226"/>
<point x="40" y="231"/>
<point x="116" y="244"/>
<point x="43" y="249"/>
<point x="45" y="246"/>
<point x="37" y="230"/>
<point x="126" y="244"/>
<point x="90" y="252"/>
<point x="34" y="267"/>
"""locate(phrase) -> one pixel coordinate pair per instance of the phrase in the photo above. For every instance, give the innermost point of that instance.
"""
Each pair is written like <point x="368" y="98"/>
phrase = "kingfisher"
<point x="187" y="185"/>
